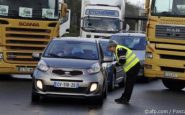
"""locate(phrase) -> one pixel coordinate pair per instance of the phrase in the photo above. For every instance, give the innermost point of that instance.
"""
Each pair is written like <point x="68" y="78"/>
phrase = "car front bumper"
<point x="83" y="91"/>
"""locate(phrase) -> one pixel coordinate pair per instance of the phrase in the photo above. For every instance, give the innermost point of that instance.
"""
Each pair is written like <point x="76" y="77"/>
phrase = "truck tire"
<point x="174" y="85"/>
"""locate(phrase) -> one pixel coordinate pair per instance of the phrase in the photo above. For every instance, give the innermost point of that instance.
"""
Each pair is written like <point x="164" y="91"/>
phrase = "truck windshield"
<point x="132" y="42"/>
<point x="171" y="8"/>
<point x="34" y="9"/>
<point x="99" y="24"/>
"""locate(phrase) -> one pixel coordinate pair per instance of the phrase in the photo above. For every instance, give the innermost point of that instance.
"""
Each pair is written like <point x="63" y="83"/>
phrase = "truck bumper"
<point x="7" y="68"/>
<point x="156" y="71"/>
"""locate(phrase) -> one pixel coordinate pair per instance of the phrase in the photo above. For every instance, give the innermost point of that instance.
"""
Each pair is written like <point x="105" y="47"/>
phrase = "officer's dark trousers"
<point x="130" y="81"/>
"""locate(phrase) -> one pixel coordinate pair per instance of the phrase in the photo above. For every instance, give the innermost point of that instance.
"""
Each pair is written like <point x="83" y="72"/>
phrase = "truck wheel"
<point x="35" y="98"/>
<point x="175" y="85"/>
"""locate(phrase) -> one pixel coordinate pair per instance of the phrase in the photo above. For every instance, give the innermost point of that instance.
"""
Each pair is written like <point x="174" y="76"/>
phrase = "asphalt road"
<point x="149" y="98"/>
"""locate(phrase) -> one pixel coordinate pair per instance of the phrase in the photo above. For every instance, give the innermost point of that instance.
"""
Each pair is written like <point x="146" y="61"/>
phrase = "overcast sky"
<point x="136" y="2"/>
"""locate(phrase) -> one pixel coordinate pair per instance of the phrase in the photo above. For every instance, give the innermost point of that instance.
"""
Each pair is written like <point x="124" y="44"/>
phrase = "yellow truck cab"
<point x="26" y="26"/>
<point x="165" y="53"/>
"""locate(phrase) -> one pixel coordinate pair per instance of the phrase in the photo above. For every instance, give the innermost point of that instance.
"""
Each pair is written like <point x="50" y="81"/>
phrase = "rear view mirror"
<point x="64" y="8"/>
<point x="108" y="59"/>
<point x="36" y="55"/>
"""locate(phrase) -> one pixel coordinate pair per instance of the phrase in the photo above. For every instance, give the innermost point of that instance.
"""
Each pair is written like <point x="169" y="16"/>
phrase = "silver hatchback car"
<point x="70" y="67"/>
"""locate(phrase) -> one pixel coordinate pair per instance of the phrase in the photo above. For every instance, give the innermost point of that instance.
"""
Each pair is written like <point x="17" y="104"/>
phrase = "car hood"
<point x="69" y="63"/>
<point x="140" y="54"/>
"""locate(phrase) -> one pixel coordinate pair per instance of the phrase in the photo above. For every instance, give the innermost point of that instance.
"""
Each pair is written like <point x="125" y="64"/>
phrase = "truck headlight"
<point x="149" y="55"/>
<point x="42" y="66"/>
<point x="95" y="68"/>
<point x="1" y="55"/>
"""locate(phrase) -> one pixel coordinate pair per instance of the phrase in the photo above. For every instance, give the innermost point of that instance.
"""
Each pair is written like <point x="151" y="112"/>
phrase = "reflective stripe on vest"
<point x="131" y="58"/>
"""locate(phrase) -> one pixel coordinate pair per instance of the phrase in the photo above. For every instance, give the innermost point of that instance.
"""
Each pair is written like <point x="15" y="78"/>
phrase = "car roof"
<point x="130" y="34"/>
<point x="80" y="39"/>
<point x="104" y="40"/>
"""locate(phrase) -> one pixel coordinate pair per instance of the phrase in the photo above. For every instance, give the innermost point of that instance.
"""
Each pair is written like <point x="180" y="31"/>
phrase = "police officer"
<point x="131" y="65"/>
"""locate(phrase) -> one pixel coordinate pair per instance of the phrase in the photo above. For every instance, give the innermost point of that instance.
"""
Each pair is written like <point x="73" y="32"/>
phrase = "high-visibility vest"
<point x="131" y="58"/>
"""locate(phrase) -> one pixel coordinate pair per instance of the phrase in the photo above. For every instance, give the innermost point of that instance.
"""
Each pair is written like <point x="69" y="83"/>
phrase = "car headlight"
<point x="42" y="66"/>
<point x="39" y="84"/>
<point x="1" y="55"/>
<point x="93" y="87"/>
<point x="149" y="55"/>
<point x="106" y="65"/>
<point x="142" y="62"/>
<point x="95" y="68"/>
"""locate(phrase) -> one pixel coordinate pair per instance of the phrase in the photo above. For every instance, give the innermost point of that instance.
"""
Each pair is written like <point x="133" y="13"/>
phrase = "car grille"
<point x="81" y="90"/>
<point x="67" y="73"/>
<point x="170" y="32"/>
<point x="21" y="42"/>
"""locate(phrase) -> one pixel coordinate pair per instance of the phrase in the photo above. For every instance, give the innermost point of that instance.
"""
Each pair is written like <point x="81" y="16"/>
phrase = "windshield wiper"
<point x="76" y="57"/>
<point x="54" y="55"/>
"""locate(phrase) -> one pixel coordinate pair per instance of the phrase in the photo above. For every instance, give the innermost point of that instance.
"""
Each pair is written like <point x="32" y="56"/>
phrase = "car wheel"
<point x="112" y="84"/>
<point x="105" y="92"/>
<point x="35" y="98"/>
<point x="122" y="84"/>
<point x="175" y="85"/>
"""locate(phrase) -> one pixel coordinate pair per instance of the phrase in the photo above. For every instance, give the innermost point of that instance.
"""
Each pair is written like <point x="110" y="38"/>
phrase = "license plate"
<point x="59" y="84"/>
<point x="170" y="74"/>
<point x="25" y="69"/>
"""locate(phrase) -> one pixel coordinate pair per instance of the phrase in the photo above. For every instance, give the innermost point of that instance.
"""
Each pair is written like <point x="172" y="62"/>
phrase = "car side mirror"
<point x="36" y="55"/>
<point x="108" y="59"/>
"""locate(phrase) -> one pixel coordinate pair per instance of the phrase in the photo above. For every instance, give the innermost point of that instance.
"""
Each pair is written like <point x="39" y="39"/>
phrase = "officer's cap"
<point x="112" y="43"/>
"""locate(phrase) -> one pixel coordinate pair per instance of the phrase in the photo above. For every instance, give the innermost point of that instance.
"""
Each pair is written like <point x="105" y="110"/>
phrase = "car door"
<point x="119" y="72"/>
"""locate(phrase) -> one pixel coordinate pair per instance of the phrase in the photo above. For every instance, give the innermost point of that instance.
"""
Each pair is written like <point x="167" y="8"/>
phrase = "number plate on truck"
<point x="170" y="74"/>
<point x="25" y="69"/>
<point x="60" y="84"/>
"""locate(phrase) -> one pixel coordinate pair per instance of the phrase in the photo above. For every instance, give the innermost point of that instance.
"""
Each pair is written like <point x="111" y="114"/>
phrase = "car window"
<point x="104" y="45"/>
<point x="72" y="49"/>
<point x="132" y="42"/>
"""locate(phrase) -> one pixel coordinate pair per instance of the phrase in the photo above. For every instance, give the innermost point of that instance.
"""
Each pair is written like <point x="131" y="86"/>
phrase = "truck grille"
<point x="172" y="69"/>
<point x="174" y="57"/>
<point x="170" y="32"/>
<point x="22" y="42"/>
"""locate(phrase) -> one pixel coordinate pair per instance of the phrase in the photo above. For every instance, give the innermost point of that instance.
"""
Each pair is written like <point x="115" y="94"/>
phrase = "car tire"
<point x="35" y="98"/>
<point x="105" y="92"/>
<point x="112" y="84"/>
<point x="122" y="84"/>
<point x="174" y="85"/>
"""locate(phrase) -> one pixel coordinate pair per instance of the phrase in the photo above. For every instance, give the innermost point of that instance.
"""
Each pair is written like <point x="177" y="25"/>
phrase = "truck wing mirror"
<point x="64" y="9"/>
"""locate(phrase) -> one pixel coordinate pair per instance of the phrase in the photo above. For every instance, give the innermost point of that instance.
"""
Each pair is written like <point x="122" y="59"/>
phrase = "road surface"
<point x="148" y="98"/>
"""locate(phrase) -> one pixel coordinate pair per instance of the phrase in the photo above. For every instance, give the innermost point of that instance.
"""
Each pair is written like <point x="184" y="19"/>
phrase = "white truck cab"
<point x="100" y="18"/>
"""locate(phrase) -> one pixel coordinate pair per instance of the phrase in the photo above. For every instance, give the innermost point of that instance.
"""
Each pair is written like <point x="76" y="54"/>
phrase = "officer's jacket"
<point x="126" y="57"/>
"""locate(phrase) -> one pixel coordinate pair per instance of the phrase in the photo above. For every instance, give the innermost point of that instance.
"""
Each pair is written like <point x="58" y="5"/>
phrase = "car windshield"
<point x="132" y="42"/>
<point x="34" y="9"/>
<point x="72" y="50"/>
<point x="101" y="24"/>
<point x="104" y="45"/>
<point x="172" y="8"/>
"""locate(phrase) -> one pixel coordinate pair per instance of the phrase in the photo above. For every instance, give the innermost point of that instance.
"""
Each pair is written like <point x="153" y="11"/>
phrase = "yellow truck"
<point x="165" y="54"/>
<point x="26" y="26"/>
